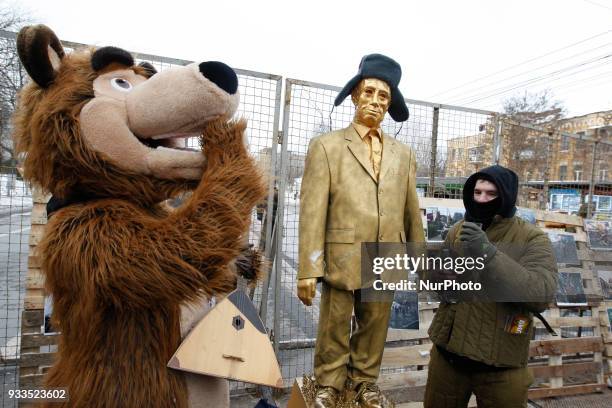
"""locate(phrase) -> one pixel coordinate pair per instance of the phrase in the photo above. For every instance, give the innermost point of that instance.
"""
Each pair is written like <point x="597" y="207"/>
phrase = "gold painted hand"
<point x="306" y="290"/>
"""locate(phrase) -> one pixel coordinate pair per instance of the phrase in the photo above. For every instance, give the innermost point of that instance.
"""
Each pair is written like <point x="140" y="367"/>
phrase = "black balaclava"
<point x="507" y="188"/>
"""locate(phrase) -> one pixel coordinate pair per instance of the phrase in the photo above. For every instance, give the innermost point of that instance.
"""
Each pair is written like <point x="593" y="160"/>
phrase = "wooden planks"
<point x="540" y="348"/>
<point x="399" y="335"/>
<point x="425" y="202"/>
<point x="559" y="369"/>
<point x="398" y="357"/>
<point x="579" y="236"/>
<point x="595" y="256"/>
<point x="565" y="390"/>
<point x="558" y="218"/>
<point x="565" y="369"/>
<point x="33" y="363"/>
<point x="570" y="321"/>
<point x="37" y="340"/>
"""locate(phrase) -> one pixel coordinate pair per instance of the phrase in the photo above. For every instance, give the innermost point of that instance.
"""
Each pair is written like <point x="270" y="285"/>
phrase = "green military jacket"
<point x="343" y="204"/>
<point x="524" y="264"/>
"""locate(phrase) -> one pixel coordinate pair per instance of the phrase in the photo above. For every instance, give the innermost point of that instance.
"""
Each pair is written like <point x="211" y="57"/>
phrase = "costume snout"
<point x="182" y="100"/>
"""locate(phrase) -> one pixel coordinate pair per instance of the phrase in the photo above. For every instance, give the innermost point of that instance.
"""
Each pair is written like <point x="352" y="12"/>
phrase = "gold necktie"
<point x="375" y="151"/>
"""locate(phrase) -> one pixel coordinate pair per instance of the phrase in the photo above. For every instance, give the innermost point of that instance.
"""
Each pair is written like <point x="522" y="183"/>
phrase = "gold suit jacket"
<point x="343" y="205"/>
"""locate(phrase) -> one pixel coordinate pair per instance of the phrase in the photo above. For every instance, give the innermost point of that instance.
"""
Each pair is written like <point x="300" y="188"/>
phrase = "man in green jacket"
<point x="481" y="346"/>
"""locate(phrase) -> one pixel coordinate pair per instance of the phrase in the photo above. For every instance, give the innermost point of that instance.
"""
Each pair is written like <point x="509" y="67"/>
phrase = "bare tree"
<point x="526" y="149"/>
<point x="12" y="76"/>
<point x="534" y="108"/>
<point x="422" y="153"/>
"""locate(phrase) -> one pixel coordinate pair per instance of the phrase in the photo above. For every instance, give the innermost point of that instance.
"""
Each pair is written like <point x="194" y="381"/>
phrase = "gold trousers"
<point x="340" y="355"/>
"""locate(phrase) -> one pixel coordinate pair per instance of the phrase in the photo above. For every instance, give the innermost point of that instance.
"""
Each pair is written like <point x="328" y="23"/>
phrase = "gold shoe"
<point x="369" y="396"/>
<point x="326" y="397"/>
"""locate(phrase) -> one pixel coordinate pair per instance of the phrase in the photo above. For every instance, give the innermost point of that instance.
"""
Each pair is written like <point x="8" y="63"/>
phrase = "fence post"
<point x="497" y="139"/>
<point x="592" y="181"/>
<point x="273" y="174"/>
<point x="284" y="165"/>
<point x="544" y="198"/>
<point x="434" y="149"/>
<point x="270" y="240"/>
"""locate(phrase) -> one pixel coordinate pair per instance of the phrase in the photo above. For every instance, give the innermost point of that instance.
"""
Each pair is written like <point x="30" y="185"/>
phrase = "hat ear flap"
<point x="40" y="52"/>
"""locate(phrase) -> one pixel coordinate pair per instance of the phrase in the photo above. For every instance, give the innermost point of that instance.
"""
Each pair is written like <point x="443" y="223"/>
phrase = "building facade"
<point x="555" y="170"/>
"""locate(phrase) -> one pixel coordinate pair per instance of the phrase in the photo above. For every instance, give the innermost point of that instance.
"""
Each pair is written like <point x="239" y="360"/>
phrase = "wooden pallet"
<point x="607" y="352"/>
<point x="566" y="358"/>
<point x="569" y="359"/>
<point x="35" y="351"/>
<point x="552" y="361"/>
<point x="36" y="357"/>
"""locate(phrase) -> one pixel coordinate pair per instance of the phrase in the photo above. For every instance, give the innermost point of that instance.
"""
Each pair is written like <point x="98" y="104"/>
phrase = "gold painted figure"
<point x="359" y="185"/>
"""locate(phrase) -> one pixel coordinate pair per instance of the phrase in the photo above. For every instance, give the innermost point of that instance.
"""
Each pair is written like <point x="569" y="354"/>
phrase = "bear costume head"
<point x="94" y="124"/>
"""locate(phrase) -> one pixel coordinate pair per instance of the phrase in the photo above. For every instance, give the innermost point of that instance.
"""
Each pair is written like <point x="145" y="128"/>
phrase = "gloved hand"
<point x="475" y="242"/>
<point x="250" y="264"/>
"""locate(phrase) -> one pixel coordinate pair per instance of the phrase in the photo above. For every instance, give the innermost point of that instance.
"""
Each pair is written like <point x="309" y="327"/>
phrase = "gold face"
<point x="372" y="98"/>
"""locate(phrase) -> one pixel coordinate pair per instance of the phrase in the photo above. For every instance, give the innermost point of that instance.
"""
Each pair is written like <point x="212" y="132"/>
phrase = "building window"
<point x="526" y="154"/>
<point x="564" y="143"/>
<point x="577" y="171"/>
<point x="603" y="174"/>
<point x="604" y="203"/>
<point x="564" y="202"/>
<point x="562" y="172"/>
<point x="601" y="202"/>
<point x="475" y="154"/>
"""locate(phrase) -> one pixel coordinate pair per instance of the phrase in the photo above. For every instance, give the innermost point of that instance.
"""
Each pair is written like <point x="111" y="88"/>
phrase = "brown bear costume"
<point x="106" y="138"/>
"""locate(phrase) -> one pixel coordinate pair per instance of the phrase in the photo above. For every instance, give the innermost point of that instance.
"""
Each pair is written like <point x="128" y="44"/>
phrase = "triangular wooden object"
<point x="297" y="400"/>
<point x="230" y="342"/>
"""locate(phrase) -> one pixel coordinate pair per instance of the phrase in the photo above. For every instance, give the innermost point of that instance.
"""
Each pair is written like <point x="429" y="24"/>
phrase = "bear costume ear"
<point x="149" y="68"/>
<point x="40" y="52"/>
<point x="105" y="56"/>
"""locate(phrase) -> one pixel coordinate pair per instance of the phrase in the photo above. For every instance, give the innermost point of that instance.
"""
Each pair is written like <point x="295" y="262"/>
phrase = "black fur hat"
<point x="386" y="69"/>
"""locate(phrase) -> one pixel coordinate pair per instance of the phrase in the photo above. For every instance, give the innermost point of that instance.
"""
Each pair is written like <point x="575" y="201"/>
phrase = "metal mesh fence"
<point x="465" y="143"/>
<point x="15" y="211"/>
<point x="560" y="170"/>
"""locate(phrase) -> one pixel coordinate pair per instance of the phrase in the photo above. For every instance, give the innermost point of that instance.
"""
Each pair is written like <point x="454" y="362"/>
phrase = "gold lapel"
<point x="360" y="150"/>
<point x="388" y="155"/>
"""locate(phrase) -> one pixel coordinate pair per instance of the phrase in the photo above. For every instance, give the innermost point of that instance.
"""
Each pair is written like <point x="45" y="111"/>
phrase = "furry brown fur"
<point x="119" y="266"/>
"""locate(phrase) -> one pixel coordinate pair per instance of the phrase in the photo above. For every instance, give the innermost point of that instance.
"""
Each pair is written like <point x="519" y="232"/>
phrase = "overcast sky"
<point x="450" y="51"/>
